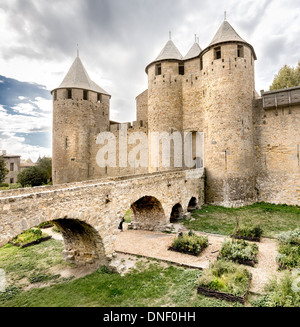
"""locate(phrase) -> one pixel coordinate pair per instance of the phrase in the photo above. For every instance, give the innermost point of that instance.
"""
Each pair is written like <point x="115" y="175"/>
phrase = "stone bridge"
<point x="88" y="213"/>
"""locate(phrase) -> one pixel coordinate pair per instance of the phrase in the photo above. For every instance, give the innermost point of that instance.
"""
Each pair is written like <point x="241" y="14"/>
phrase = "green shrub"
<point x="239" y="251"/>
<point x="248" y="233"/>
<point x="289" y="249"/>
<point x="225" y="276"/>
<point x="290" y="237"/>
<point x="190" y="243"/>
<point x="280" y="294"/>
<point x="46" y="224"/>
<point x="30" y="235"/>
<point x="4" y="185"/>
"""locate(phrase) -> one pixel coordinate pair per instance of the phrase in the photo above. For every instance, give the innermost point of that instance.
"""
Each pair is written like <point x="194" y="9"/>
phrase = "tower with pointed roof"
<point x="165" y="97"/>
<point x="80" y="111"/>
<point x="227" y="72"/>
<point x="210" y="91"/>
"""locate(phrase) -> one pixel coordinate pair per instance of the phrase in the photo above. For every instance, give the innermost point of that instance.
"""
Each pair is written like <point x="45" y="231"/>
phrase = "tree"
<point x="46" y="164"/>
<point x="286" y="77"/>
<point x="3" y="170"/>
<point x="33" y="176"/>
<point x="37" y="175"/>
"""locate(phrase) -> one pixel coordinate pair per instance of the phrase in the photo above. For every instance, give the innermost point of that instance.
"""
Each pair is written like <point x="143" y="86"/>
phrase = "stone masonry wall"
<point x="74" y="120"/>
<point x="142" y="106"/>
<point x="277" y="145"/>
<point x="95" y="208"/>
<point x="228" y="91"/>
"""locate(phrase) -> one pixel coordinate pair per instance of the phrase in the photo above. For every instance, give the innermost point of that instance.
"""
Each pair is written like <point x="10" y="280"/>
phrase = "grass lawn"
<point x="220" y="220"/>
<point x="149" y="284"/>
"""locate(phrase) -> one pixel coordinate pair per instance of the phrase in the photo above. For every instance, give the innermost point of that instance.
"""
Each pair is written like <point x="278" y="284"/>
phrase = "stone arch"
<point x="83" y="244"/>
<point x="148" y="213"/>
<point x="177" y="213"/>
<point x="193" y="204"/>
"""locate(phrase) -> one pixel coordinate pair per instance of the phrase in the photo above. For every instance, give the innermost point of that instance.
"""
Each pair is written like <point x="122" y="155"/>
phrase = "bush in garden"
<point x="239" y="251"/>
<point x="190" y="243"/>
<point x="248" y="233"/>
<point x="289" y="249"/>
<point x="225" y="276"/>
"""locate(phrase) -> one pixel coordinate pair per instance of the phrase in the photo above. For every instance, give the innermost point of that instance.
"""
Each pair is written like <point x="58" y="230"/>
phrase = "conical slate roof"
<point x="194" y="51"/>
<point x="169" y="52"/>
<point x="226" y="33"/>
<point x="77" y="77"/>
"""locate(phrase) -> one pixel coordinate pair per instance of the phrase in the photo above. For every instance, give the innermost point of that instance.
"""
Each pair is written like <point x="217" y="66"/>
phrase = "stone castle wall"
<point x="124" y="137"/>
<point x="142" y="106"/>
<point x="277" y="145"/>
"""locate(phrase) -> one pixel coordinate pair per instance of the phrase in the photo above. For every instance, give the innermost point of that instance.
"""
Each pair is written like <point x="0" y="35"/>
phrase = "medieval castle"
<point x="251" y="141"/>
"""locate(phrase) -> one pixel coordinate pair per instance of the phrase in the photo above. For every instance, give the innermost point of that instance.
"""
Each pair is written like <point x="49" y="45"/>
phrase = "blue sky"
<point x="117" y="40"/>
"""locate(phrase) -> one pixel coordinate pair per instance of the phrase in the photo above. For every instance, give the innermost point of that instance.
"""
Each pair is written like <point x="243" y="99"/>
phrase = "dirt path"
<point x="155" y="245"/>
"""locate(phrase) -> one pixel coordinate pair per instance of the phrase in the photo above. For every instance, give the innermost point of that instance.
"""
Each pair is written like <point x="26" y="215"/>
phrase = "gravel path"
<point x="155" y="245"/>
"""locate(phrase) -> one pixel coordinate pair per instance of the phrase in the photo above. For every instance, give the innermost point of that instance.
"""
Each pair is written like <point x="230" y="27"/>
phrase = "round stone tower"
<point x="165" y="102"/>
<point x="80" y="110"/>
<point x="227" y="69"/>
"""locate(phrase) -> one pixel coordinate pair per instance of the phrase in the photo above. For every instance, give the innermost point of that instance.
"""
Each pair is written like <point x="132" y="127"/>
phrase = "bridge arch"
<point x="193" y="204"/>
<point x="148" y="213"/>
<point x="176" y="213"/>
<point x="83" y="243"/>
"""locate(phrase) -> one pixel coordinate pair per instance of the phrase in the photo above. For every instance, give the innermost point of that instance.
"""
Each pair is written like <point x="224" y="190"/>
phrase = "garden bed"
<point x="247" y="233"/>
<point x="190" y="243"/>
<point x="239" y="251"/>
<point x="43" y="239"/>
<point x="225" y="281"/>
<point x="289" y="250"/>
<point x="30" y="237"/>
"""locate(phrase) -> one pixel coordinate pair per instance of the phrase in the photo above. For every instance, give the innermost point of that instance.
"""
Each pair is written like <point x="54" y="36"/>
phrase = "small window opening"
<point x="181" y="69"/>
<point x="85" y="95"/>
<point x="69" y="94"/>
<point x="66" y="143"/>
<point x="217" y="52"/>
<point x="99" y="97"/>
<point x="158" y="69"/>
<point x="240" y="51"/>
<point x="12" y="166"/>
<point x="55" y="95"/>
<point x="201" y="63"/>
<point x="11" y="181"/>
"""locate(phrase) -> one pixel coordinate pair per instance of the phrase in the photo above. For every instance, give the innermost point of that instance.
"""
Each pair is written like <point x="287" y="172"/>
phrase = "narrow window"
<point x="85" y="95"/>
<point x="201" y="63"/>
<point x="240" y="51"/>
<point x="69" y="94"/>
<point x="12" y="166"/>
<point x="217" y="52"/>
<point x="11" y="181"/>
<point x="158" y="69"/>
<point x="181" y="69"/>
<point x="66" y="143"/>
<point x="55" y="95"/>
<point x="99" y="97"/>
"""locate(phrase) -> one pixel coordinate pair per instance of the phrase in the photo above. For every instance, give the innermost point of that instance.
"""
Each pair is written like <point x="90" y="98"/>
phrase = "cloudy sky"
<point x="117" y="39"/>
